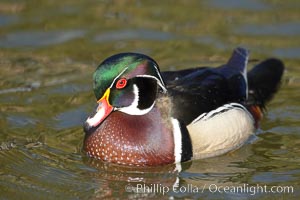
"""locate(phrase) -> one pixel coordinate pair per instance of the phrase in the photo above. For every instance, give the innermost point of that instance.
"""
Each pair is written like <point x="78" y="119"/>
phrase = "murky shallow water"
<point x="49" y="50"/>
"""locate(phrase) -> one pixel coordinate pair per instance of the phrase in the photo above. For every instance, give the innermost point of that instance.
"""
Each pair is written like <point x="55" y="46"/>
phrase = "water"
<point x="48" y="52"/>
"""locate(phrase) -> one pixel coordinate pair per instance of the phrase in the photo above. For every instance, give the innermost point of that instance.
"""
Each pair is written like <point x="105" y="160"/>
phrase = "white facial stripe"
<point x="177" y="140"/>
<point x="157" y="80"/>
<point x="161" y="80"/>
<point x="113" y="82"/>
<point x="133" y="108"/>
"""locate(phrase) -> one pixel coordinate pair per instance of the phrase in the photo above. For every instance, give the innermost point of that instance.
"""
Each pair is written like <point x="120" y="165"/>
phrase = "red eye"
<point x="121" y="83"/>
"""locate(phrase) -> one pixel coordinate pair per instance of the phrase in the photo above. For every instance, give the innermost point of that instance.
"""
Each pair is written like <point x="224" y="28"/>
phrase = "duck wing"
<point x="199" y="90"/>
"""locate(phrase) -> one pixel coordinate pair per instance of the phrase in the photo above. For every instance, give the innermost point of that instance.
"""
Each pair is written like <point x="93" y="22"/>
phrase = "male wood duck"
<point x="146" y="117"/>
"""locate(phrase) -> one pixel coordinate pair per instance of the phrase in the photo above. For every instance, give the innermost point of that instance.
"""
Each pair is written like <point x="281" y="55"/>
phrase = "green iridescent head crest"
<point x="125" y="65"/>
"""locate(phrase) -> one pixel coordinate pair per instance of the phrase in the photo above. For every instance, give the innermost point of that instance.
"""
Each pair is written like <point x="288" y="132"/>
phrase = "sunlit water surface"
<point x="49" y="50"/>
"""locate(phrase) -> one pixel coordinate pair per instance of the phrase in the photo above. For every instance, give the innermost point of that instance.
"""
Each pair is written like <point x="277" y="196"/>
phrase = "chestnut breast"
<point x="132" y="139"/>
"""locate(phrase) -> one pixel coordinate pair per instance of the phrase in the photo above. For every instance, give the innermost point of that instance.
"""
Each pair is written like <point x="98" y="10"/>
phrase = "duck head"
<point x="126" y="82"/>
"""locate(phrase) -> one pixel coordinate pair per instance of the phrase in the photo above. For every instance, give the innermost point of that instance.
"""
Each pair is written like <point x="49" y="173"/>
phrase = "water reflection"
<point x="133" y="34"/>
<point x="287" y="52"/>
<point x="8" y="19"/>
<point x="38" y="38"/>
<point x="278" y="29"/>
<point x="150" y="181"/>
<point x="49" y="50"/>
<point x="240" y="4"/>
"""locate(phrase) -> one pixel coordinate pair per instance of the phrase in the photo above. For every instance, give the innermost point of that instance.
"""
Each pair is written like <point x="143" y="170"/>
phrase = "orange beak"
<point x="103" y="110"/>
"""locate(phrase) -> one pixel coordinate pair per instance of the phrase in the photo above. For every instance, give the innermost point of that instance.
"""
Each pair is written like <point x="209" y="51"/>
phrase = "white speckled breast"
<point x="132" y="140"/>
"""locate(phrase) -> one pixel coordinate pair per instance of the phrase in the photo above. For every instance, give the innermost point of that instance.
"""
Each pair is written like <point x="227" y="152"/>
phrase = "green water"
<point x="49" y="50"/>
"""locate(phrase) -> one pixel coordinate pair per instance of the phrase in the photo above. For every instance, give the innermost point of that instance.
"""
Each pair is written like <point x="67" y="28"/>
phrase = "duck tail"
<point x="263" y="82"/>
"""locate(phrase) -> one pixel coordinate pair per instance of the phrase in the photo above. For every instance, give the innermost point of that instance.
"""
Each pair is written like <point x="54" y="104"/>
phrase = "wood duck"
<point x="146" y="117"/>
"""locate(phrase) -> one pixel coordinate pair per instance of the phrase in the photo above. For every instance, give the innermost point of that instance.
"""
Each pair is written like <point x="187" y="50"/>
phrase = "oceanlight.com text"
<point x="212" y="188"/>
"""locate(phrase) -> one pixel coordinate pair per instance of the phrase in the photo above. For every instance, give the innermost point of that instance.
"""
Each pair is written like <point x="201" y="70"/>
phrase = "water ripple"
<point x="38" y="38"/>
<point x="133" y="34"/>
<point x="280" y="29"/>
<point x="7" y="20"/>
<point x="239" y="4"/>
